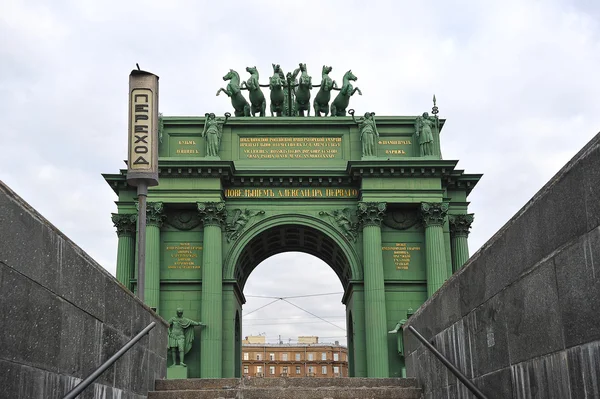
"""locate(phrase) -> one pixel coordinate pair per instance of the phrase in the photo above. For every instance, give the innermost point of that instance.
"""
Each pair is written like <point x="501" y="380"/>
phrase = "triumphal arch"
<point x="370" y="195"/>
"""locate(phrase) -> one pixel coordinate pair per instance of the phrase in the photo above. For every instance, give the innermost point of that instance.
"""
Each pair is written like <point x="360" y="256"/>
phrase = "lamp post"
<point x="142" y="164"/>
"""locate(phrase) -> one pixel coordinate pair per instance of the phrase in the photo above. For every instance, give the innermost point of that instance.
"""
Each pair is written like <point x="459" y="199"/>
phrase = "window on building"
<point x="271" y="370"/>
<point x="297" y="356"/>
<point x="259" y="369"/>
<point x="258" y="356"/>
<point x="311" y="369"/>
<point x="246" y="356"/>
<point x="271" y="356"/>
<point x="336" y="357"/>
<point x="297" y="369"/>
<point x="245" y="369"/>
<point x="336" y="370"/>
<point x="311" y="356"/>
<point x="284" y="370"/>
<point x="284" y="356"/>
<point x="323" y="356"/>
<point x="323" y="370"/>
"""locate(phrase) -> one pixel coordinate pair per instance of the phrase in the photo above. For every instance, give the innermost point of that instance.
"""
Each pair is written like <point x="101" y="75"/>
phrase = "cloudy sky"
<point x="517" y="81"/>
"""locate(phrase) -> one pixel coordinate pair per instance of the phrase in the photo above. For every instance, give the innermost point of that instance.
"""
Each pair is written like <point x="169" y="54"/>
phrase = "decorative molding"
<point x="212" y="213"/>
<point x="460" y="224"/>
<point x="401" y="219"/>
<point x="238" y="222"/>
<point x="344" y="221"/>
<point x="371" y="213"/>
<point x="184" y="219"/>
<point x="125" y="223"/>
<point x="155" y="213"/>
<point x="434" y="213"/>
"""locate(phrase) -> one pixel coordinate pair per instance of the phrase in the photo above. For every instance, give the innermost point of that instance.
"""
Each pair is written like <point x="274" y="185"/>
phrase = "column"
<point x="154" y="221"/>
<point x="459" y="234"/>
<point x="125" y="224"/>
<point x="370" y="215"/>
<point x="211" y="350"/>
<point x="433" y="214"/>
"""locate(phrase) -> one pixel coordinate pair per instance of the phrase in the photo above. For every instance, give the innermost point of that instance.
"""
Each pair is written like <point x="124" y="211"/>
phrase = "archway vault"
<point x="292" y="233"/>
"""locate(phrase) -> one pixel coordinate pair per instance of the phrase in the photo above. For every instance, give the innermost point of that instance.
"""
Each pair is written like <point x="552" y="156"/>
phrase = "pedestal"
<point x="177" y="372"/>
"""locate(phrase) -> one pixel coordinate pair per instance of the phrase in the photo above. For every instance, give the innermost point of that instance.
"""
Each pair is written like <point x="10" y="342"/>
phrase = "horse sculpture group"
<point x="289" y="95"/>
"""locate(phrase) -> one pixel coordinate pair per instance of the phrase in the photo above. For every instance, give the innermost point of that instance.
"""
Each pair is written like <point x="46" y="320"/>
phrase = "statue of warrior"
<point x="181" y="335"/>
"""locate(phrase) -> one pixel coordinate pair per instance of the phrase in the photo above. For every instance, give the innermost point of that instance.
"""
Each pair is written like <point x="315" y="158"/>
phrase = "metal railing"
<point x="92" y="377"/>
<point x="463" y="378"/>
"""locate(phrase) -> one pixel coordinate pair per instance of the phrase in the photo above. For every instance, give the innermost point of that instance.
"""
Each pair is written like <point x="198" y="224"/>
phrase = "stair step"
<point x="306" y="382"/>
<point x="295" y="393"/>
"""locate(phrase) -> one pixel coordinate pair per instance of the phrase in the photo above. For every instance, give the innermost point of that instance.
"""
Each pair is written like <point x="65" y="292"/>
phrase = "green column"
<point x="435" y="252"/>
<point x="125" y="224"/>
<point x="211" y="350"/>
<point x="154" y="221"/>
<point x="459" y="234"/>
<point x="370" y="215"/>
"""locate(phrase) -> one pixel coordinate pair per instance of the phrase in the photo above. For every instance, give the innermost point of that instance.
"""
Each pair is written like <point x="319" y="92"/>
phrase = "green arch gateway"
<point x="391" y="220"/>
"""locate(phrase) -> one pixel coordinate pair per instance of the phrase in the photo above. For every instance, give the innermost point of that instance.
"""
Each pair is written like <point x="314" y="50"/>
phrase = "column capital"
<point x="433" y="213"/>
<point x="371" y="213"/>
<point x="460" y="224"/>
<point x="212" y="213"/>
<point x="125" y="223"/>
<point x="155" y="215"/>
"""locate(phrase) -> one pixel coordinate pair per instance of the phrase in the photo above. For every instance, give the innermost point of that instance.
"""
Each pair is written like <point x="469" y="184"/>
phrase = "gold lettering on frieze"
<point x="291" y="193"/>
<point x="183" y="256"/>
<point x="394" y="147"/>
<point x="290" y="147"/>
<point x="401" y="254"/>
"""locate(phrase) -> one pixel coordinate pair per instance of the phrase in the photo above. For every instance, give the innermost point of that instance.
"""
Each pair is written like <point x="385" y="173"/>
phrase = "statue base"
<point x="370" y="158"/>
<point x="177" y="372"/>
<point x="211" y="158"/>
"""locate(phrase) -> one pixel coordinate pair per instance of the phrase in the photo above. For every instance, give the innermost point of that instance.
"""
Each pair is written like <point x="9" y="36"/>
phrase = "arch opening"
<point x="296" y="238"/>
<point x="294" y="323"/>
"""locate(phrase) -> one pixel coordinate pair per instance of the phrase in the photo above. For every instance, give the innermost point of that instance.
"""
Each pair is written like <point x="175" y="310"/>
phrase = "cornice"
<point x="452" y="179"/>
<point x="286" y="121"/>
<point x="414" y="167"/>
<point x="461" y="181"/>
<point x="290" y="180"/>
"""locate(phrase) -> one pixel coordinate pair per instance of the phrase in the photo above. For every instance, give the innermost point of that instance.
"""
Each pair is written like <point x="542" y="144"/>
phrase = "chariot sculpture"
<point x="289" y="94"/>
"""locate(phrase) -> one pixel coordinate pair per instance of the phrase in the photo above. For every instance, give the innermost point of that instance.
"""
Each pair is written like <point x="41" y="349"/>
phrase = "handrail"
<point x="92" y="377"/>
<point x="463" y="378"/>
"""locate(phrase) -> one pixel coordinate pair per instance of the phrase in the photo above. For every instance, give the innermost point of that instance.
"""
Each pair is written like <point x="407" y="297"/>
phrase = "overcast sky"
<point x="517" y="81"/>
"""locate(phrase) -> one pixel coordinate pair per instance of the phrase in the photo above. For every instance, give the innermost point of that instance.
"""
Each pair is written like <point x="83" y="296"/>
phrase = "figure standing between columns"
<point x="125" y="224"/>
<point x="370" y="215"/>
<point x="434" y="215"/>
<point x="459" y="234"/>
<point x="213" y="215"/>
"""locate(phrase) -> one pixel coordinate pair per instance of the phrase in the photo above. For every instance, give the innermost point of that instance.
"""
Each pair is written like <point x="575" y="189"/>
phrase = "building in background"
<point x="307" y="358"/>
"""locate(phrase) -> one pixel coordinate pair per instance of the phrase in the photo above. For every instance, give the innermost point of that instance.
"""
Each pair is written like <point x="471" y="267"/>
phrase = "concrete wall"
<point x="522" y="318"/>
<point x="62" y="315"/>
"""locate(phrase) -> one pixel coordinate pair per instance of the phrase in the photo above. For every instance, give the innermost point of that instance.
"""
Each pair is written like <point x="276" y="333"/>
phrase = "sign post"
<point x="142" y="164"/>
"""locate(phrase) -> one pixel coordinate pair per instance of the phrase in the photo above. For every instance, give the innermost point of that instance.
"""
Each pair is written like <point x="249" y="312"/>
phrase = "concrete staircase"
<point x="287" y="388"/>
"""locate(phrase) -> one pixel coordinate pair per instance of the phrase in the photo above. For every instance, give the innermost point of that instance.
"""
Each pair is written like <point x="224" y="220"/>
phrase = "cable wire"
<point x="264" y="306"/>
<point x="312" y="314"/>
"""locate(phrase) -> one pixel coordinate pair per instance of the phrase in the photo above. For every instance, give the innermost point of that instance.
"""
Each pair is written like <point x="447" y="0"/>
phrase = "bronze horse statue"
<point x="321" y="102"/>
<point x="240" y="105"/>
<point x="339" y="105"/>
<point x="303" y="91"/>
<point x="276" y="84"/>
<point x="257" y="98"/>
